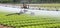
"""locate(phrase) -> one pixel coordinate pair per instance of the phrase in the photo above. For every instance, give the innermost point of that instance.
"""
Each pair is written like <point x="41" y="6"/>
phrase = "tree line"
<point x="30" y="1"/>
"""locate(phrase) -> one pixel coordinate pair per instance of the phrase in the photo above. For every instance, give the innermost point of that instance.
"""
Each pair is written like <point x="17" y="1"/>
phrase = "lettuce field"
<point x="29" y="21"/>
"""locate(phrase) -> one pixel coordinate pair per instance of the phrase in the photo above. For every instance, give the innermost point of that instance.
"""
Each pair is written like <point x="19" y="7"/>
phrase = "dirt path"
<point x="2" y="26"/>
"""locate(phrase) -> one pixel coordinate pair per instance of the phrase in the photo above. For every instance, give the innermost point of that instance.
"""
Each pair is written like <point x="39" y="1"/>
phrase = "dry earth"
<point x="2" y="26"/>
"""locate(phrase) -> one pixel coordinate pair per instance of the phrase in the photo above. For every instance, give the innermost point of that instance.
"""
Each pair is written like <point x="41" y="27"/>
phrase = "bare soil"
<point x="2" y="26"/>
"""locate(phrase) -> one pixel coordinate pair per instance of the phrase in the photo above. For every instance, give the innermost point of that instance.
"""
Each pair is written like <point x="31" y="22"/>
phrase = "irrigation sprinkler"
<point x="22" y="11"/>
<point x="56" y="9"/>
<point x="32" y="13"/>
<point x="25" y="6"/>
